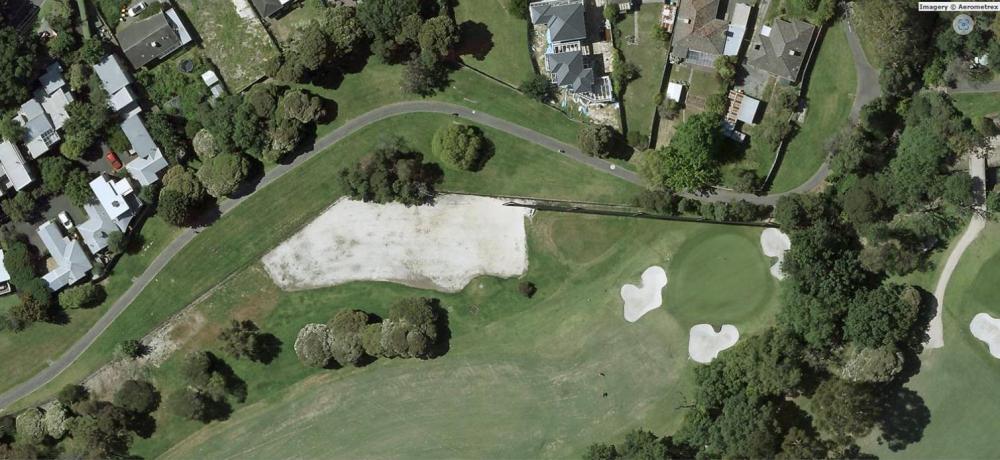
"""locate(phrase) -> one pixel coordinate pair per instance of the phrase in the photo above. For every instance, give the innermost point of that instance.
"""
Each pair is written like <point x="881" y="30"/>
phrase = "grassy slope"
<point x="522" y="377"/>
<point x="649" y="55"/>
<point x="958" y="382"/>
<point x="283" y="207"/>
<point x="47" y="341"/>
<point x="830" y="94"/>
<point x="509" y="57"/>
<point x="976" y="105"/>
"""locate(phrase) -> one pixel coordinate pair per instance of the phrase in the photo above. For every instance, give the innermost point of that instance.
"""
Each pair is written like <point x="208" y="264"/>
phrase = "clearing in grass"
<point x="493" y="41"/>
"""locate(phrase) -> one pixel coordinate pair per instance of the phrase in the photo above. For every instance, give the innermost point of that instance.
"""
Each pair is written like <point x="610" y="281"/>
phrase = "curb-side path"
<point x="863" y="95"/>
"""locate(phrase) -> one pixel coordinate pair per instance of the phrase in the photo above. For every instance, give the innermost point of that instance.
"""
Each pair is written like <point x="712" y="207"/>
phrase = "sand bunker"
<point x="440" y="247"/>
<point x="705" y="344"/>
<point x="987" y="328"/>
<point x="647" y="296"/>
<point x="774" y="244"/>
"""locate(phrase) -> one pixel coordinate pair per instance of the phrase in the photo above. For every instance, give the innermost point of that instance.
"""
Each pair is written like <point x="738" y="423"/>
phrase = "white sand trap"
<point x="987" y="328"/>
<point x="705" y="344"/>
<point x="774" y="243"/>
<point x="440" y="247"/>
<point x="646" y="297"/>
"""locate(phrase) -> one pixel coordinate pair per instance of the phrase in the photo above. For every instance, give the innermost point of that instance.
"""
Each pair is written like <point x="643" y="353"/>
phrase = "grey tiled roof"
<point x="700" y="27"/>
<point x="564" y="19"/>
<point x="784" y="49"/>
<point x="567" y="71"/>
<point x="148" y="39"/>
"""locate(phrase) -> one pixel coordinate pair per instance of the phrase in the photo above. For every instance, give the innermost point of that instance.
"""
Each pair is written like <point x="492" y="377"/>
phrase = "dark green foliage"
<point x="746" y="181"/>
<point x="137" y="396"/>
<point x="175" y="208"/>
<point x="55" y="171"/>
<point x="438" y="36"/>
<point x="192" y="405"/>
<point x="717" y="104"/>
<point x="689" y="161"/>
<point x="640" y="444"/>
<point x="957" y="190"/>
<point x="384" y="20"/>
<point x="657" y="202"/>
<point x="843" y="410"/>
<point x="197" y="367"/>
<point x="22" y="207"/>
<point x="243" y="339"/>
<point x="800" y="444"/>
<point x="600" y="141"/>
<point x="301" y="106"/>
<point x="212" y="384"/>
<point x="538" y="87"/>
<point x="868" y="365"/>
<point x="461" y="146"/>
<point x="86" y="295"/>
<point x="856" y="152"/>
<point x="344" y="339"/>
<point x="86" y="124"/>
<point x="18" y="55"/>
<point x="518" y="8"/>
<point x="882" y="317"/>
<point x="71" y="394"/>
<point x="77" y="187"/>
<point x="410" y="330"/>
<point x="424" y="76"/>
<point x="392" y="173"/>
<point x="725" y="66"/>
<point x="223" y="174"/>
<point x="900" y="34"/>
<point x="527" y="289"/>
<point x="181" y="196"/>
<point x="865" y="202"/>
<point x="761" y="366"/>
<point x="11" y="130"/>
<point x="131" y="348"/>
<point x="36" y="299"/>
<point x="166" y="132"/>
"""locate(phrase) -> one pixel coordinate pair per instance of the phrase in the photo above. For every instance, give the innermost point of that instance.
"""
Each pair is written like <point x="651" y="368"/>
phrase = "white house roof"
<point x="97" y="229"/>
<point x="209" y="77"/>
<point x="675" y="91"/>
<point x="145" y="170"/>
<point x="748" y="110"/>
<point x="737" y="29"/>
<point x="40" y="133"/>
<point x="4" y="276"/>
<point x="117" y="199"/>
<point x="113" y="76"/>
<point x="14" y="167"/>
<point x="52" y="79"/>
<point x="122" y="99"/>
<point x="71" y="261"/>
<point x="55" y="104"/>
<point x="138" y="136"/>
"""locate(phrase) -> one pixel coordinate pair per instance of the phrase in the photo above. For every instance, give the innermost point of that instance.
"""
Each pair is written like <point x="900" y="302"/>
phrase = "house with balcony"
<point x="568" y="59"/>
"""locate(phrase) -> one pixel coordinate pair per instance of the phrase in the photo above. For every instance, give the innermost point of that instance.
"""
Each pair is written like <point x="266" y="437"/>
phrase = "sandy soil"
<point x="705" y="344"/>
<point x="440" y="247"/>
<point x="646" y="297"/>
<point x="987" y="328"/>
<point x="774" y="243"/>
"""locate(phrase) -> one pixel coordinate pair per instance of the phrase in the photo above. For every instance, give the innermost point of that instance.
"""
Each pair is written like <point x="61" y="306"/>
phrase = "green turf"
<point x="522" y="377"/>
<point x="830" y="94"/>
<point x="26" y="353"/>
<point x="236" y="240"/>
<point x="649" y="55"/>
<point x="957" y="383"/>
<point x="239" y="47"/>
<point x="507" y="53"/>
<point x="704" y="82"/>
<point x="977" y="105"/>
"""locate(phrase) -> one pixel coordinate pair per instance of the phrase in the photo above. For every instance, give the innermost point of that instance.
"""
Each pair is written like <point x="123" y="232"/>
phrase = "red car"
<point x="113" y="160"/>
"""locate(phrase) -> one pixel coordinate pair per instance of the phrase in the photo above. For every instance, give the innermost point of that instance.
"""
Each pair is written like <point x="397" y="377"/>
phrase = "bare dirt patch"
<point x="440" y="247"/>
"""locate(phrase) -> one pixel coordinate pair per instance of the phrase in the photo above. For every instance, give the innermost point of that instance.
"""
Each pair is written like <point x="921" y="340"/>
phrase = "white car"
<point x="65" y="220"/>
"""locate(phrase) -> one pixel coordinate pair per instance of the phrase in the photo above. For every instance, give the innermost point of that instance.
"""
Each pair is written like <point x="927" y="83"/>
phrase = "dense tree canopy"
<point x="461" y="146"/>
<point x="18" y="54"/>
<point x="222" y="175"/>
<point x="392" y="173"/>
<point x="689" y="161"/>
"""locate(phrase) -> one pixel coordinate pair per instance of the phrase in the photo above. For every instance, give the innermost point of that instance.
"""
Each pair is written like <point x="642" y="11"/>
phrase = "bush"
<point x="30" y="427"/>
<point x="131" y="348"/>
<point x="138" y="397"/>
<point x="191" y="404"/>
<point x="72" y="394"/>
<point x="392" y="173"/>
<point x="223" y="174"/>
<point x="243" y="339"/>
<point x="598" y="140"/>
<point x="82" y="296"/>
<point x="461" y="146"/>
<point x="312" y="347"/>
<point x="527" y="289"/>
<point x="657" y="202"/>
<point x="538" y="87"/>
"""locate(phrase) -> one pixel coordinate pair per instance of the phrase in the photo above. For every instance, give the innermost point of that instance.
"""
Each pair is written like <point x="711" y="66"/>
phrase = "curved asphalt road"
<point x="867" y="90"/>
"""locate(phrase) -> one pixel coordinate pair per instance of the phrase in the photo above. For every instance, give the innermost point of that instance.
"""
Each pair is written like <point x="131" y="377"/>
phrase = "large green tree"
<point x="461" y="146"/>
<point x="223" y="174"/>
<point x="689" y="161"/>
<point x="18" y="55"/>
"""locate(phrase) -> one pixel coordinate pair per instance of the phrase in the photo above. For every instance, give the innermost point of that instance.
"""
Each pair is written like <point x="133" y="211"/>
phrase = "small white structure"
<point x="213" y="83"/>
<point x="646" y="297"/>
<point x="16" y="174"/>
<point x="704" y="344"/>
<point x="983" y="60"/>
<point x="987" y="328"/>
<point x="71" y="262"/>
<point x="675" y="92"/>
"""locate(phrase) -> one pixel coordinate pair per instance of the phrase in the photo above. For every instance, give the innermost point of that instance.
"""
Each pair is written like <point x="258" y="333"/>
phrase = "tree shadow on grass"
<point x="904" y="416"/>
<point x="476" y="40"/>
<point x="443" y="343"/>
<point x="270" y="348"/>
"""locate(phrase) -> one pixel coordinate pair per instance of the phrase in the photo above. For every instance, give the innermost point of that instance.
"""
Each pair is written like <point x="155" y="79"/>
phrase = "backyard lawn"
<point x="649" y="54"/>
<point x="830" y="93"/>
<point x="957" y="383"/>
<point x="235" y="241"/>
<point x="236" y="42"/>
<point x="977" y="105"/>
<point x="522" y="378"/>
<point x="495" y="42"/>
<point x="26" y="353"/>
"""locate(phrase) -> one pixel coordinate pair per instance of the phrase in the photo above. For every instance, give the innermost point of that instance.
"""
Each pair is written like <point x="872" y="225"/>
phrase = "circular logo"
<point x="963" y="24"/>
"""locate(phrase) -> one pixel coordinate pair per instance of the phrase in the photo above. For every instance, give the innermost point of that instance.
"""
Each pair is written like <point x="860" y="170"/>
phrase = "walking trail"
<point x="571" y="152"/>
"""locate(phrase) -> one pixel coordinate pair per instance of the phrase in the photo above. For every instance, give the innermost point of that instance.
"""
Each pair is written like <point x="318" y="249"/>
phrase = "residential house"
<point x="45" y="113"/>
<point x="743" y="109"/>
<point x="5" y="287"/>
<point x="270" y="8"/>
<point x="707" y="29"/>
<point x="118" y="84"/>
<point x="15" y="172"/>
<point x="782" y="49"/>
<point x="71" y="263"/>
<point x="118" y="206"/>
<point x="568" y="60"/>
<point x="150" y="161"/>
<point x="54" y="95"/>
<point x="152" y="38"/>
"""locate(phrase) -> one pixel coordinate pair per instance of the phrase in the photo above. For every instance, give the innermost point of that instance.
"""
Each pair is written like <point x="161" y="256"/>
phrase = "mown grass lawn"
<point x="522" y="379"/>
<point x="239" y="47"/>
<point x="649" y="54"/>
<point x="275" y="212"/>
<point x="830" y="93"/>
<point x="957" y="383"/>
<point x="26" y="353"/>
<point x="494" y="41"/>
<point x="977" y="105"/>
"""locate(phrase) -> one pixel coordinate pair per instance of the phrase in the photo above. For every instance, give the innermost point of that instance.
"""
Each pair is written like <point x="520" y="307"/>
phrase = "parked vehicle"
<point x="66" y="222"/>
<point x="113" y="160"/>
